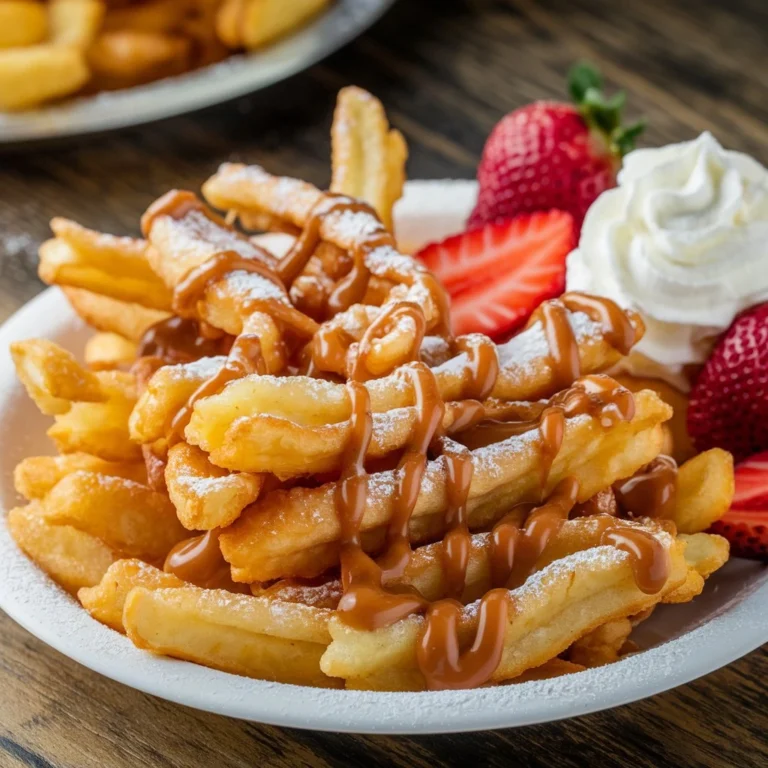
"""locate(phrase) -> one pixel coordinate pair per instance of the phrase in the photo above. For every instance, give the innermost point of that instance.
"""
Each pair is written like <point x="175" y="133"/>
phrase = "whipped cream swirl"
<point x="683" y="240"/>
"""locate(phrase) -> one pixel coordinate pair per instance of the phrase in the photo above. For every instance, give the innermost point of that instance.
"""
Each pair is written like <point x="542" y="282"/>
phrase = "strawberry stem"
<point x="601" y="113"/>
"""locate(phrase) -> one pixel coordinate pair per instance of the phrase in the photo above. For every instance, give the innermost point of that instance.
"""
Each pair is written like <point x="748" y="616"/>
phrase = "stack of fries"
<point x="253" y="426"/>
<point x="57" y="48"/>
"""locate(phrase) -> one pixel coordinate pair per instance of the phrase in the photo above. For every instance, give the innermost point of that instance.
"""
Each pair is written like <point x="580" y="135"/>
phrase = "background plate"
<point x="684" y="642"/>
<point x="236" y="76"/>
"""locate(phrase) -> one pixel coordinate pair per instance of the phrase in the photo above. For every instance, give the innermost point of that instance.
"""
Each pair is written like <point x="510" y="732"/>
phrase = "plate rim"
<point x="223" y="81"/>
<point x="57" y="619"/>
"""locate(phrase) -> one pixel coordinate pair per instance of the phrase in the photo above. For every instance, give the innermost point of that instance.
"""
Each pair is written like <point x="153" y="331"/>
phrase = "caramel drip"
<point x="649" y="557"/>
<point x="177" y="204"/>
<point x="179" y="340"/>
<point x="651" y="492"/>
<point x="365" y="604"/>
<point x="380" y="327"/>
<point x="192" y="288"/>
<point x="482" y="368"/>
<point x="561" y="341"/>
<point x="244" y="358"/>
<point x="515" y="551"/>
<point x="198" y="560"/>
<point x="622" y="330"/>
<point x="294" y="262"/>
<point x="457" y="542"/>
<point x="438" y="653"/>
<point x="599" y="396"/>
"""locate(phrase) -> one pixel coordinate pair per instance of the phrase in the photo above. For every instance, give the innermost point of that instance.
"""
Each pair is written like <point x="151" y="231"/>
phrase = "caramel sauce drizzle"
<point x="198" y="560"/>
<point x="178" y="340"/>
<point x="622" y="329"/>
<point x="650" y="492"/>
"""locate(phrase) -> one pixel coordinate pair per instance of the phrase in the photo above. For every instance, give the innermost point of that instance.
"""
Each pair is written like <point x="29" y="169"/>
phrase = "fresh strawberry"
<point x="554" y="155"/>
<point x="498" y="274"/>
<point x="729" y="402"/>
<point x="745" y="525"/>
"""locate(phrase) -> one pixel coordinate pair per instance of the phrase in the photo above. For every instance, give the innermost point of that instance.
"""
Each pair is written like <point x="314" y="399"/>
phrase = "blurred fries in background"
<point x="50" y="50"/>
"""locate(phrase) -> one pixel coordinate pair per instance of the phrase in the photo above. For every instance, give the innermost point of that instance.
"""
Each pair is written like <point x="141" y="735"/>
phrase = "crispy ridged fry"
<point x="526" y="374"/>
<point x="22" y="22"/>
<point x="555" y="607"/>
<point x="602" y="645"/>
<point x="112" y="266"/>
<point x="705" y="489"/>
<point x="105" y="351"/>
<point x="36" y="475"/>
<point x="295" y="533"/>
<point x="704" y="553"/>
<point x="100" y="428"/>
<point x="131" y="518"/>
<point x="253" y="23"/>
<point x="166" y="392"/>
<point x="72" y="558"/>
<point x="52" y="376"/>
<point x="74" y="22"/>
<point x="246" y="635"/>
<point x="106" y="600"/>
<point x="206" y="496"/>
<point x="367" y="158"/>
<point x="127" y="319"/>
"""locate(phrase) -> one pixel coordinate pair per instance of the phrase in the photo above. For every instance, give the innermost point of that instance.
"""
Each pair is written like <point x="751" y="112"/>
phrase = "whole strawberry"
<point x="553" y="155"/>
<point x="729" y="402"/>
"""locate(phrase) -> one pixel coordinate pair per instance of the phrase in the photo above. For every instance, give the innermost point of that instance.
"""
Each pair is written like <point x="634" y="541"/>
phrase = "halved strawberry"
<point x="464" y="260"/>
<point x="498" y="274"/>
<point x="745" y="525"/>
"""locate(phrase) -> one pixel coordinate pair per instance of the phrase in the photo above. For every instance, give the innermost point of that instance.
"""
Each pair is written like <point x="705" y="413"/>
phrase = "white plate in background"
<point x="236" y="76"/>
<point x="683" y="641"/>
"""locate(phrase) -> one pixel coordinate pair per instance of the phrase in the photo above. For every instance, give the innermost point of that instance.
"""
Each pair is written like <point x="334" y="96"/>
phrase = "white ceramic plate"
<point x="236" y="76"/>
<point x="683" y="642"/>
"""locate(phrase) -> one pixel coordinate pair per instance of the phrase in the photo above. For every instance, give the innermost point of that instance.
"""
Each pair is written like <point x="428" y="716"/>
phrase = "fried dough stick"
<point x="238" y="302"/>
<point x="525" y="374"/>
<point x="296" y="532"/>
<point x="556" y="606"/>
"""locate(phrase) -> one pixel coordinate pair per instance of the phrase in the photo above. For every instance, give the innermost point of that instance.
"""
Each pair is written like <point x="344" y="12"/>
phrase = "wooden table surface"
<point x="446" y="70"/>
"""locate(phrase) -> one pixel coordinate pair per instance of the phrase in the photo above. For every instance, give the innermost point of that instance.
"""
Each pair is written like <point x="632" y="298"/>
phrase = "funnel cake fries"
<point x="303" y="476"/>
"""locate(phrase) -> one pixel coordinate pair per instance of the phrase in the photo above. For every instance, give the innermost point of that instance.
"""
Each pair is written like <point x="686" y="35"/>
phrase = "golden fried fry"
<point x="704" y="554"/>
<point x="100" y="428"/>
<point x="555" y="607"/>
<point x="149" y="16"/>
<point x="106" y="600"/>
<point x="52" y="376"/>
<point x="705" y="488"/>
<point x="71" y="557"/>
<point x="130" y="517"/>
<point x="105" y="351"/>
<point x="35" y="476"/>
<point x="254" y="23"/>
<point x="29" y="76"/>
<point x="295" y="533"/>
<point x="112" y="266"/>
<point x="602" y="645"/>
<point x="74" y="22"/>
<point x="206" y="496"/>
<point x="124" y="318"/>
<point x="246" y="635"/>
<point x="368" y="159"/>
<point x="125" y="58"/>
<point x="22" y="22"/>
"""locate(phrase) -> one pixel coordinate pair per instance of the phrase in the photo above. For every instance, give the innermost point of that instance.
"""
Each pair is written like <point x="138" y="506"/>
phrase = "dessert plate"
<point x="235" y="76"/>
<point x="727" y="621"/>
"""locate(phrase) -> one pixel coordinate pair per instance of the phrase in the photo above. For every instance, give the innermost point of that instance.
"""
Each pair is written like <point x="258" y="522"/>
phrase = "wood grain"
<point x="447" y="70"/>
